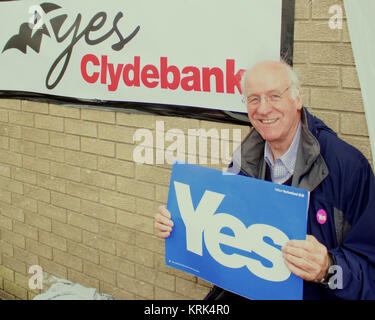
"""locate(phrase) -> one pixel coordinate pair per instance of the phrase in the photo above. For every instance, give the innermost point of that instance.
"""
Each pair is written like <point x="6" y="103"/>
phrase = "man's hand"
<point x="163" y="223"/>
<point x="307" y="259"/>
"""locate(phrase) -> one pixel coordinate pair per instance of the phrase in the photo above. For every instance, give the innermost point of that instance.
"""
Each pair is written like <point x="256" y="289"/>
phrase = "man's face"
<point x="276" y="120"/>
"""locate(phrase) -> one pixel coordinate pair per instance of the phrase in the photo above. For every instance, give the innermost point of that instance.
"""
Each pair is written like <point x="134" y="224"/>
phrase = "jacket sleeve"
<point x="355" y="256"/>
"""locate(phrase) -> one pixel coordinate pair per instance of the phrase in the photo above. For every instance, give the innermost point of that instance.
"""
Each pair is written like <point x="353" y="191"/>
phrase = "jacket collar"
<point x="310" y="169"/>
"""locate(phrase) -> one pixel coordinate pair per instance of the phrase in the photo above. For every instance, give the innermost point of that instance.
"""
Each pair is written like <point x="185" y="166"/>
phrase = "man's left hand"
<point x="307" y="259"/>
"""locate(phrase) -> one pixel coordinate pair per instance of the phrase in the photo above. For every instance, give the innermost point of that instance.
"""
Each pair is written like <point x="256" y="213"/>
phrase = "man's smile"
<point x="268" y="121"/>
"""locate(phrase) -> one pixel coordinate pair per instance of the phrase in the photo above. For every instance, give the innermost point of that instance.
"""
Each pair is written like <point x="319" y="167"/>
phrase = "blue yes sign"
<point x="229" y="230"/>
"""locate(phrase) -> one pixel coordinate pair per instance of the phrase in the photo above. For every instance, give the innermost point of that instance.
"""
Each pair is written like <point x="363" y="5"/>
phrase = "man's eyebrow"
<point x="268" y="91"/>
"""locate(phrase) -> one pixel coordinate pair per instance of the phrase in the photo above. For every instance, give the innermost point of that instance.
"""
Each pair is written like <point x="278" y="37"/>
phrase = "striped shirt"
<point x="283" y="168"/>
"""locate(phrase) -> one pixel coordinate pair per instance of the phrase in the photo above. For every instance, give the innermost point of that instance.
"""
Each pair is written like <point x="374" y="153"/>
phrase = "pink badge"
<point x="321" y="216"/>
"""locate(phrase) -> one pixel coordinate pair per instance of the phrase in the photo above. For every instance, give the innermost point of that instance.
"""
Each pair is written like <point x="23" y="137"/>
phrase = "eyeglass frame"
<point x="267" y="96"/>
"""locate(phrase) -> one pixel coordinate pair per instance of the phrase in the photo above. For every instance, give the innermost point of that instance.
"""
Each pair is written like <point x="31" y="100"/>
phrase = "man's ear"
<point x="298" y="100"/>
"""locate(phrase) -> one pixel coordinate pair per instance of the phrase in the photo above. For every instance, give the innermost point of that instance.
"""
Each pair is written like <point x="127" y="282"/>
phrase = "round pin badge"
<point x="321" y="216"/>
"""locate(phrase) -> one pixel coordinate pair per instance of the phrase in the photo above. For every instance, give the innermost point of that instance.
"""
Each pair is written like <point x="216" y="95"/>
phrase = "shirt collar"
<point x="289" y="157"/>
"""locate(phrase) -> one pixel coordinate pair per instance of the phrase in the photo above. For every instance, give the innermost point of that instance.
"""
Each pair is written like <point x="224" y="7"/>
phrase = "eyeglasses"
<point x="270" y="97"/>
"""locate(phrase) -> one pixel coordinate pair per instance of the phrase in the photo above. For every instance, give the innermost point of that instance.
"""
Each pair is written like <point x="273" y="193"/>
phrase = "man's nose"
<point x="264" y="106"/>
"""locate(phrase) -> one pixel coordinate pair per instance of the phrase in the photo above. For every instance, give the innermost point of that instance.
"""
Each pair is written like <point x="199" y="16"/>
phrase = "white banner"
<point x="362" y="29"/>
<point x="189" y="53"/>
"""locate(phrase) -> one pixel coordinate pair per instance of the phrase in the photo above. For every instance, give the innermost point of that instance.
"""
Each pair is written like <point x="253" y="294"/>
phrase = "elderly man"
<point x="290" y="146"/>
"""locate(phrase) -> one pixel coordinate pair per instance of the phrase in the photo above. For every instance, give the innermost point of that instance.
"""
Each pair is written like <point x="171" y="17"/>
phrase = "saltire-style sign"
<point x="169" y="52"/>
<point x="229" y="230"/>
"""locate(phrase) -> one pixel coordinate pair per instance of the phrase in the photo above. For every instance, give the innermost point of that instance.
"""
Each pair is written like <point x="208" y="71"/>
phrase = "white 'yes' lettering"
<point x="204" y="223"/>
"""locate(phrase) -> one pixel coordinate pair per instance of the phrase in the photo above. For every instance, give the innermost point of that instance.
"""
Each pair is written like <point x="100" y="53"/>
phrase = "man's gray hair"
<point x="295" y="86"/>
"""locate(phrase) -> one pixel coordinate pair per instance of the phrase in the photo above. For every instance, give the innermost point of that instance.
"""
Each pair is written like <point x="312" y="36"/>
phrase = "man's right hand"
<point x="163" y="223"/>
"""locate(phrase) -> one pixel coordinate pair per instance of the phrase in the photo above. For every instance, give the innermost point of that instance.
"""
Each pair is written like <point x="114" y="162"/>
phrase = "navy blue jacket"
<point x="341" y="182"/>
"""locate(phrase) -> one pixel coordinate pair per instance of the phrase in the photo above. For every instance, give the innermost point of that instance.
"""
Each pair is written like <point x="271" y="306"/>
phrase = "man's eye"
<point x="253" y="100"/>
<point x="275" y="96"/>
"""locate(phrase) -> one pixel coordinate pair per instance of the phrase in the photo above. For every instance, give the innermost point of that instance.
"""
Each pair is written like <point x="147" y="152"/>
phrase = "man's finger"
<point x="298" y="271"/>
<point x="162" y="227"/>
<point x="310" y="237"/>
<point x="302" y="244"/>
<point x="164" y="235"/>
<point x="296" y="251"/>
<point x="164" y="211"/>
<point x="298" y="261"/>
<point x="161" y="219"/>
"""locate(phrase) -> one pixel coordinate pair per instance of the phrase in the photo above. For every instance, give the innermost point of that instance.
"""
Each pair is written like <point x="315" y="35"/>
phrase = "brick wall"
<point x="73" y="201"/>
<point x="325" y="64"/>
